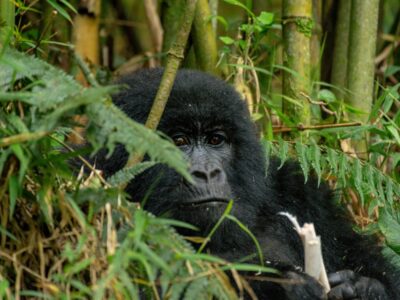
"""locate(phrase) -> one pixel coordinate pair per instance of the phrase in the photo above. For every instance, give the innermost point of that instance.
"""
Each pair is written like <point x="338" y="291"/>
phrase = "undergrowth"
<point x="75" y="236"/>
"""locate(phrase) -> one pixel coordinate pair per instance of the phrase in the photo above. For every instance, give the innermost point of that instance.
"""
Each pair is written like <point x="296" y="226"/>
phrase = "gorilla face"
<point x="211" y="125"/>
<point x="208" y="151"/>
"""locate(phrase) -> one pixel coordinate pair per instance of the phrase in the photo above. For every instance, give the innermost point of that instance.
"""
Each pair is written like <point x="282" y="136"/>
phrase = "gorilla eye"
<point x="216" y="139"/>
<point x="180" y="140"/>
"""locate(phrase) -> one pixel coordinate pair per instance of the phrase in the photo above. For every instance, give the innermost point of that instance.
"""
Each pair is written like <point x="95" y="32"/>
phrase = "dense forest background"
<point x="321" y="80"/>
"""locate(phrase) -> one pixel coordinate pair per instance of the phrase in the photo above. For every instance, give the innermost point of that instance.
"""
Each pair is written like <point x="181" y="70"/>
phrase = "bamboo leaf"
<point x="60" y="9"/>
<point x="14" y="190"/>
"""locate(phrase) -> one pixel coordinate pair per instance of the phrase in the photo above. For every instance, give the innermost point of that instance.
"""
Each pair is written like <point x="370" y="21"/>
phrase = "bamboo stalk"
<point x="86" y="33"/>
<point x="360" y="72"/>
<point x="204" y="41"/>
<point x="7" y="15"/>
<point x="340" y="52"/>
<point x="154" y="22"/>
<point x="297" y="29"/>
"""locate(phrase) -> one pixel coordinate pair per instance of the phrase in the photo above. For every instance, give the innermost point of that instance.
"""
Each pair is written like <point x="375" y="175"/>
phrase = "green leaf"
<point x="389" y="191"/>
<point x="342" y="169"/>
<point x="390" y="228"/>
<point x="116" y="127"/>
<point x="302" y="156"/>
<point x="238" y="3"/>
<point x="333" y="160"/>
<point x="391" y="256"/>
<point x="369" y="171"/>
<point x="250" y="268"/>
<point x="283" y="151"/>
<point x="379" y="184"/>
<point x="67" y="4"/>
<point x="23" y="160"/>
<point x="79" y="266"/>
<point x="357" y="178"/>
<point x="227" y="40"/>
<point x="327" y="96"/>
<point x="127" y="174"/>
<point x="316" y="160"/>
<point x="265" y="18"/>
<point x="394" y="132"/>
<point x="251" y="235"/>
<point x="196" y="289"/>
<point x="174" y="223"/>
<point x="391" y="70"/>
<point x="151" y="255"/>
<point x="4" y="285"/>
<point x="61" y="10"/>
<point x="14" y="190"/>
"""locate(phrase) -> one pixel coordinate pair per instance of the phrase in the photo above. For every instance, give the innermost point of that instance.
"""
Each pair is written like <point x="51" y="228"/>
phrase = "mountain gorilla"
<point x="209" y="122"/>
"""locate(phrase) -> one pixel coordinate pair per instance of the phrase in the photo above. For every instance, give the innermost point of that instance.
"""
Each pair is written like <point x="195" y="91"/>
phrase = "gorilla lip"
<point x="205" y="202"/>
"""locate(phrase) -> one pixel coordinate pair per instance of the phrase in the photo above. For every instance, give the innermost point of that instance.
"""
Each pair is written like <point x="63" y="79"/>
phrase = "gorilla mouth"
<point x="207" y="202"/>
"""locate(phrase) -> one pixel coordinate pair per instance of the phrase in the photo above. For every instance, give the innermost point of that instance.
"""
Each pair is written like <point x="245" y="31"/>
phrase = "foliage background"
<point x="71" y="236"/>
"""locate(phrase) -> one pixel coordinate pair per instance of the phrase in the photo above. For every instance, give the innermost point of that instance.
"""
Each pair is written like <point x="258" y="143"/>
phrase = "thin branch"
<point x="174" y="58"/>
<point x="154" y="22"/>
<point x="301" y="127"/>
<point x="85" y="70"/>
<point x="85" y="162"/>
<point x="22" y="137"/>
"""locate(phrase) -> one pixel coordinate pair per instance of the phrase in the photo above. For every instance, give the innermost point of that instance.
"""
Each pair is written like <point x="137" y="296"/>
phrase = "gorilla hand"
<point x="348" y="285"/>
<point x="302" y="286"/>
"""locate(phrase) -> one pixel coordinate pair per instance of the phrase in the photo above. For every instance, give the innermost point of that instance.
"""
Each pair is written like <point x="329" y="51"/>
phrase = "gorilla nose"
<point x="208" y="175"/>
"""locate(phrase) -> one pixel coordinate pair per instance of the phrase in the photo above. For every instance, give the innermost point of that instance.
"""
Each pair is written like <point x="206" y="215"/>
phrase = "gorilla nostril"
<point x="215" y="174"/>
<point x="199" y="175"/>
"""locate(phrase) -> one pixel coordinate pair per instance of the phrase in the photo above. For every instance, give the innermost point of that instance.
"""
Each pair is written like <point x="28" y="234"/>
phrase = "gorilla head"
<point x="208" y="121"/>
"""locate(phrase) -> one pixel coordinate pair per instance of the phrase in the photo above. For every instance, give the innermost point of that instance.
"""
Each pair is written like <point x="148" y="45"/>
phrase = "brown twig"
<point x="386" y="52"/>
<point x="154" y="22"/>
<point x="301" y="127"/>
<point x="22" y="137"/>
<point x="85" y="162"/>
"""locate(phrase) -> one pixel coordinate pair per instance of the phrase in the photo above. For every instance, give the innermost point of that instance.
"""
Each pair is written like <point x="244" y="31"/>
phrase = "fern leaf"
<point x="283" y="150"/>
<point x="302" y="156"/>
<point x="357" y="178"/>
<point x="316" y="159"/>
<point x="127" y="174"/>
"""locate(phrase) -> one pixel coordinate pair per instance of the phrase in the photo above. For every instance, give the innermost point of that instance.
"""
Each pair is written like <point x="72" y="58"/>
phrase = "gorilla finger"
<point x="340" y="277"/>
<point x="343" y="291"/>
<point x="368" y="288"/>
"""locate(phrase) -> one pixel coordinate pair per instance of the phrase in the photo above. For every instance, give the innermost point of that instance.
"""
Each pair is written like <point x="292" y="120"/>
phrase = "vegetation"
<point x="65" y="235"/>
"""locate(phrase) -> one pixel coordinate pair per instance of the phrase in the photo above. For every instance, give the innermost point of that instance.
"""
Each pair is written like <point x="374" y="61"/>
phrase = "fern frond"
<point x="363" y="176"/>
<point x="54" y="96"/>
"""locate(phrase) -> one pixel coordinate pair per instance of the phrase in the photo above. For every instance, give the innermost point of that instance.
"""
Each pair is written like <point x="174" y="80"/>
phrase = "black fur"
<point x="259" y="194"/>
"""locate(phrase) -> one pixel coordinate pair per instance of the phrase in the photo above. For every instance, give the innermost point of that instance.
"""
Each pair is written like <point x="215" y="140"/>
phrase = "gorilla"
<point x="209" y="122"/>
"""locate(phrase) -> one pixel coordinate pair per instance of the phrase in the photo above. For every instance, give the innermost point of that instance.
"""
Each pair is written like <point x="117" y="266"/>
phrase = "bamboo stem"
<point x="297" y="29"/>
